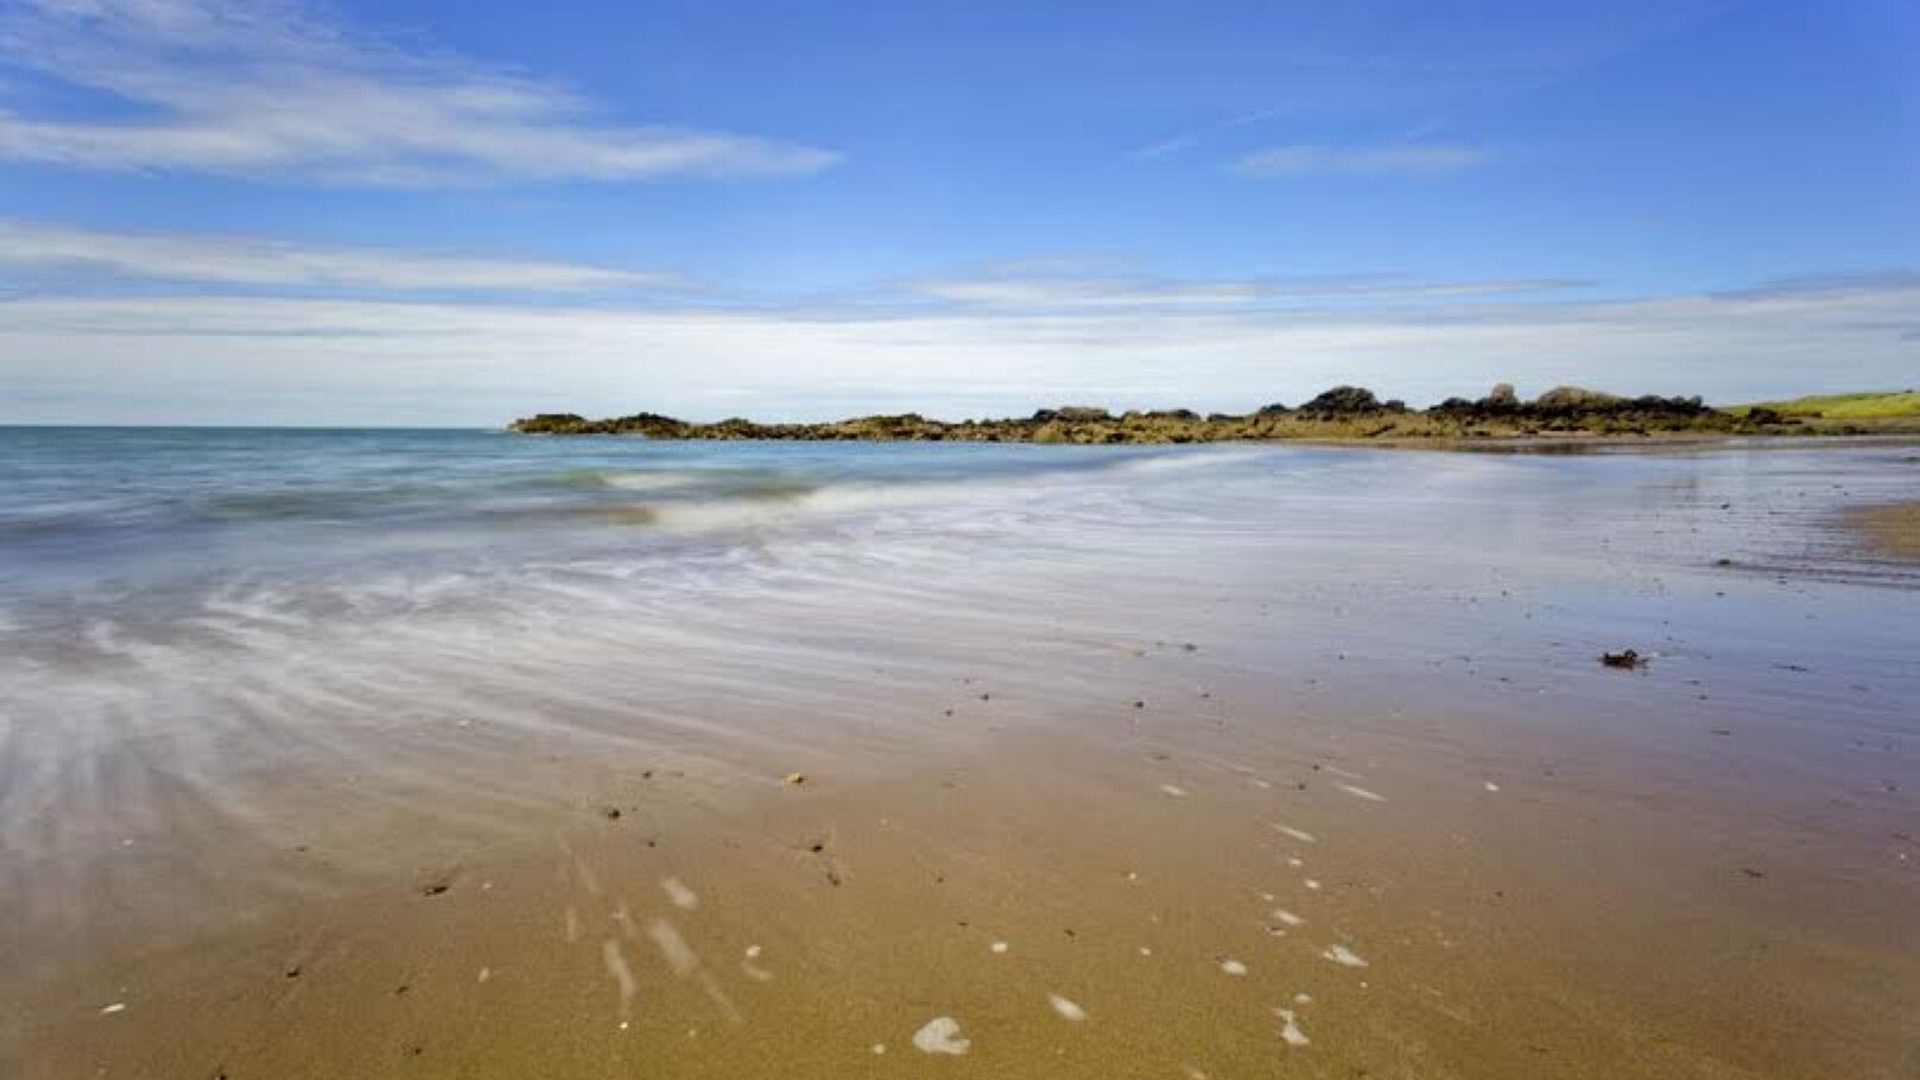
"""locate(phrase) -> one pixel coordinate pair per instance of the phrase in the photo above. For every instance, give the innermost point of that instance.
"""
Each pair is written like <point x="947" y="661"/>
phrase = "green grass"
<point x="1845" y="406"/>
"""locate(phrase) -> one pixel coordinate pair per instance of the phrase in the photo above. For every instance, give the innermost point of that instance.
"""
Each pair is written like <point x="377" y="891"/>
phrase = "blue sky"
<point x="427" y="212"/>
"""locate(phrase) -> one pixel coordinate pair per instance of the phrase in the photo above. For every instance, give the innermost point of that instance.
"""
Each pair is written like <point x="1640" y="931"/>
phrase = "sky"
<point x="423" y="212"/>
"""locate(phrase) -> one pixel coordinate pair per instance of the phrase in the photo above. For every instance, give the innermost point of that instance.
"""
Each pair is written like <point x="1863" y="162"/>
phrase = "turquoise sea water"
<point x="144" y="508"/>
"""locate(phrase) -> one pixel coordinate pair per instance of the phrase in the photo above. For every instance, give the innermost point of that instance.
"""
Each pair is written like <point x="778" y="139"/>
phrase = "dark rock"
<point x="1072" y="414"/>
<point x="1342" y="401"/>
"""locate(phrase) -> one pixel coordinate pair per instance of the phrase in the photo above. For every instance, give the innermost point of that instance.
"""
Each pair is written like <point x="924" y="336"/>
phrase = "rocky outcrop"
<point x="1344" y="412"/>
<point x="1344" y="401"/>
<point x="1574" y="397"/>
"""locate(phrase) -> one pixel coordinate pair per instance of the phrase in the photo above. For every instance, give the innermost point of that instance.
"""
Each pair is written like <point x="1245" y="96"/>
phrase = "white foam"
<point x="1174" y="791"/>
<point x="1312" y="883"/>
<point x="1491" y="786"/>
<point x="1301" y="835"/>
<point x="618" y="971"/>
<point x="680" y="956"/>
<point x="116" y="1007"/>
<point x="998" y="947"/>
<point x="659" y="481"/>
<point x="1361" y="793"/>
<point x="941" y="1035"/>
<point x="1288" y="917"/>
<point x="1343" y="956"/>
<point x="679" y="895"/>
<point x="1290" y="1032"/>
<point x="1067" y="1009"/>
<point x="1233" y="967"/>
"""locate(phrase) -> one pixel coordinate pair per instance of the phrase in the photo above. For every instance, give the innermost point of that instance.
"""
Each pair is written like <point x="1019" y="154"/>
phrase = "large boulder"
<point x="1575" y="399"/>
<point x="1342" y="401"/>
<point x="1072" y="414"/>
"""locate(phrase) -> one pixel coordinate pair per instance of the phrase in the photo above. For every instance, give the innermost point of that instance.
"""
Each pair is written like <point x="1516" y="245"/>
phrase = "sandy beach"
<point x="959" y="540"/>
<point x="1292" y="762"/>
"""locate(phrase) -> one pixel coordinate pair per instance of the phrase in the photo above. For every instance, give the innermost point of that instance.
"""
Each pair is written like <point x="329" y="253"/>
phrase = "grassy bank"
<point x="1879" y="406"/>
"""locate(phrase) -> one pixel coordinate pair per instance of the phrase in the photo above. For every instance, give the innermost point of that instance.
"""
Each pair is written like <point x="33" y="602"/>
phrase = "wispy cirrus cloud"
<point x="1035" y="292"/>
<point x="203" y="258"/>
<point x="1189" y="139"/>
<point x="264" y="88"/>
<point x="1435" y="159"/>
<point x="1018" y="292"/>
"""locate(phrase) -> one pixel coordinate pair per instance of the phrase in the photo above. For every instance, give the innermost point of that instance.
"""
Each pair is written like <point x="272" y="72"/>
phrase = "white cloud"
<point x="256" y="261"/>
<point x="211" y="359"/>
<point x="1166" y="146"/>
<point x="1410" y="160"/>
<point x="260" y="88"/>
<point x="1021" y="291"/>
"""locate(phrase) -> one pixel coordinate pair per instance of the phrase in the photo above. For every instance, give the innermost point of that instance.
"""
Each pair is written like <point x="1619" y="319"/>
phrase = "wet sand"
<point x="1894" y="529"/>
<point x="1523" y="911"/>
<point x="1316" y="801"/>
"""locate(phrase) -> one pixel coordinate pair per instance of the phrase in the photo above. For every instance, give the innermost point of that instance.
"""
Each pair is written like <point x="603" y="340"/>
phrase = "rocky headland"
<point x="1340" y="414"/>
